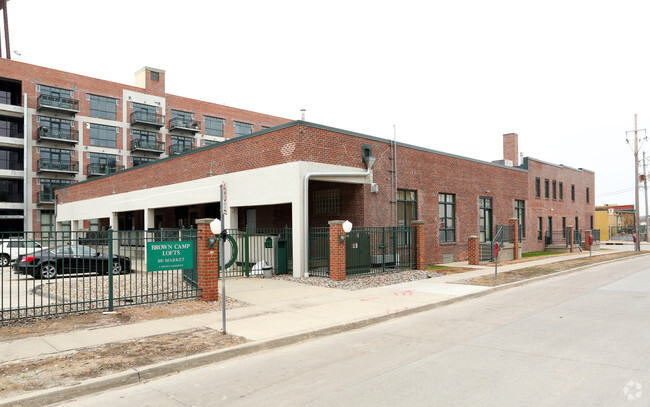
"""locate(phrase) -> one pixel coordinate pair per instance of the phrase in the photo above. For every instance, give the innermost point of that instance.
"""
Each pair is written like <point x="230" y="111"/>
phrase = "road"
<point x="576" y="340"/>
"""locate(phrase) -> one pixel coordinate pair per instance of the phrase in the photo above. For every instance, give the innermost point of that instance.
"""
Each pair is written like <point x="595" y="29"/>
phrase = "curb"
<point x="167" y="368"/>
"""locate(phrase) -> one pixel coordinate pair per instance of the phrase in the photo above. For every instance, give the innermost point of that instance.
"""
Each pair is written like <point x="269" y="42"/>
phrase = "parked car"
<point x="47" y="263"/>
<point x="11" y="250"/>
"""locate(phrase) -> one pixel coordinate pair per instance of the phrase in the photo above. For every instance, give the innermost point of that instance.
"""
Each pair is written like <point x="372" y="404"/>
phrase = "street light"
<point x="347" y="227"/>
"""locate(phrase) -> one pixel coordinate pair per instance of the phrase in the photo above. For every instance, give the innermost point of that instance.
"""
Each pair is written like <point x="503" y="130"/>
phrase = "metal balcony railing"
<point x="58" y="166"/>
<point x="58" y="103"/>
<point x="103" y="169"/>
<point x="147" y="118"/>
<point x="185" y="125"/>
<point x="46" y="197"/>
<point x="179" y="149"/>
<point x="69" y="136"/>
<point x="147" y="145"/>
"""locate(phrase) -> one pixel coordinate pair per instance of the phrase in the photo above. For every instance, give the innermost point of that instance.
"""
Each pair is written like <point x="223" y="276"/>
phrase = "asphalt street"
<point x="579" y="339"/>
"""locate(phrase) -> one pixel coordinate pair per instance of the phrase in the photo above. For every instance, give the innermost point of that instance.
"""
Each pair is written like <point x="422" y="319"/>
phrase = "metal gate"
<point x="258" y="251"/>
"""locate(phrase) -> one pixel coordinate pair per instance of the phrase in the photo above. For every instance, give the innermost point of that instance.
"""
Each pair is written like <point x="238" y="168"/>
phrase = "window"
<point x="145" y="112"/>
<point x="546" y="189"/>
<point x="48" y="186"/>
<point x="591" y="223"/>
<point x="573" y="193"/>
<point x="587" y="194"/>
<point x="145" y="139"/>
<point x="539" y="228"/>
<point x="47" y="220"/>
<point x="155" y="76"/>
<point x="447" y="214"/>
<point x="577" y="225"/>
<point x="563" y="227"/>
<point x="181" y="119"/>
<point x="54" y="158"/>
<point x="102" y="163"/>
<point x="57" y="128"/>
<point x="538" y="189"/>
<point x="326" y="202"/>
<point x="103" y="136"/>
<point x="554" y="189"/>
<point x="520" y="213"/>
<point x="55" y="92"/>
<point x="10" y="127"/>
<point x="207" y="142"/>
<point x="11" y="190"/>
<point x="94" y="224"/>
<point x="11" y="159"/>
<point x="214" y="126"/>
<point x="180" y="144"/>
<point x="485" y="219"/>
<point x="242" y="129"/>
<point x="103" y="107"/>
<point x="407" y="207"/>
<point x="141" y="160"/>
<point x="561" y="191"/>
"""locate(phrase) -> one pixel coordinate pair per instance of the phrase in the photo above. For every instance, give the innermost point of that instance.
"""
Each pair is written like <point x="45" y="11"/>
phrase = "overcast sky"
<point x="567" y="76"/>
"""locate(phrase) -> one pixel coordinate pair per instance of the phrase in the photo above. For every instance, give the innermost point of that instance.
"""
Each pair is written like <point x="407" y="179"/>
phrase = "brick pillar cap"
<point x="473" y="237"/>
<point x="417" y="222"/>
<point x="513" y="219"/>
<point x="204" y="221"/>
<point x="336" y="222"/>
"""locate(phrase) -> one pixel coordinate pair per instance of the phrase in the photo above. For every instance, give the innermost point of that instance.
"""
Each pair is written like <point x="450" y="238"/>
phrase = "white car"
<point x="10" y="250"/>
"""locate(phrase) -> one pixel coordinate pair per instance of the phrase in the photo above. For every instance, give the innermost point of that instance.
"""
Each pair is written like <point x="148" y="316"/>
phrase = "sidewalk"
<point x="281" y="312"/>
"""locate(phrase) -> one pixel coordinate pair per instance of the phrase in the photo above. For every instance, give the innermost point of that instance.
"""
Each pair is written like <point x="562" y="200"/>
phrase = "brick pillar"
<point x="419" y="246"/>
<point x="207" y="262"/>
<point x="472" y="251"/>
<point x="514" y="222"/>
<point x="586" y="237"/>
<point x="569" y="230"/>
<point x="337" y="250"/>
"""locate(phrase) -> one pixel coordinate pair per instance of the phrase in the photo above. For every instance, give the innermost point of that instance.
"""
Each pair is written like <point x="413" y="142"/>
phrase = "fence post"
<point x="473" y="251"/>
<point x="569" y="230"/>
<point x="337" y="250"/>
<point x="207" y="262"/>
<point x="586" y="240"/>
<point x="514" y="222"/>
<point x="110" y="269"/>
<point x="420" y="255"/>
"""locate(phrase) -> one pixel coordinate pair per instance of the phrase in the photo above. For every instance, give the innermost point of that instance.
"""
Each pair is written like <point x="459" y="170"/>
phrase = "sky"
<point x="567" y="76"/>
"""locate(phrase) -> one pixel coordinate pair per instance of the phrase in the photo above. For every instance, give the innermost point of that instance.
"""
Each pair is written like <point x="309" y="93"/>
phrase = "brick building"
<point x="303" y="175"/>
<point x="57" y="128"/>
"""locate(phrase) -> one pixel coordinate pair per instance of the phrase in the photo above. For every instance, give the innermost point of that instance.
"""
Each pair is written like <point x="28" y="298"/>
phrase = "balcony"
<point x="181" y="124"/>
<point x="103" y="169"/>
<point x="146" y="146"/>
<point x="67" y="167"/>
<point x="179" y="149"/>
<point x="147" y="119"/>
<point x="58" y="104"/>
<point x="46" y="197"/>
<point x="65" y="136"/>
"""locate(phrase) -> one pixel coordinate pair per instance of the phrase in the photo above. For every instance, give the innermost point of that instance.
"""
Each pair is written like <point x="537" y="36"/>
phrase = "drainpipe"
<point x="371" y="161"/>
<point x="26" y="167"/>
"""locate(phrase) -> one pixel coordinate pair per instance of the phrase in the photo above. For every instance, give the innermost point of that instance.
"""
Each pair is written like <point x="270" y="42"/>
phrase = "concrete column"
<point x="149" y="219"/>
<point x="113" y="223"/>
<point x="207" y="262"/>
<point x="586" y="237"/>
<point x="299" y="249"/>
<point x="418" y="244"/>
<point x="569" y="230"/>
<point x="514" y="222"/>
<point x="472" y="251"/>
<point x="337" y="250"/>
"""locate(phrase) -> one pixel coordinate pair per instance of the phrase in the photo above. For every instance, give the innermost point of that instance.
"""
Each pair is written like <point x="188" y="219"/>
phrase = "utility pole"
<point x="645" y="187"/>
<point x="637" y="244"/>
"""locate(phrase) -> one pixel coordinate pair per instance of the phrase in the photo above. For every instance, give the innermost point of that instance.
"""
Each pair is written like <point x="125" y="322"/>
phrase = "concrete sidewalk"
<point x="281" y="312"/>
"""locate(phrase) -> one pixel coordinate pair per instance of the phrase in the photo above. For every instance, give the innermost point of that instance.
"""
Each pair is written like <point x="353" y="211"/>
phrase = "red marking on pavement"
<point x="408" y="293"/>
<point x="368" y="299"/>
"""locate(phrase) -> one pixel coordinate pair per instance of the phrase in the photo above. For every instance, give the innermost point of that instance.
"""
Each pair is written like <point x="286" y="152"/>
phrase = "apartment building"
<point x="59" y="128"/>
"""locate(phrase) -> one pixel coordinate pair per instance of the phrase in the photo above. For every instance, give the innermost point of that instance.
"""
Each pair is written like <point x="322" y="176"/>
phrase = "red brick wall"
<point x="511" y="148"/>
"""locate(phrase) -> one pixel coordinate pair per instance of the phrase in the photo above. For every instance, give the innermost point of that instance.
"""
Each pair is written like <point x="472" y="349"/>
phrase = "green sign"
<point x="170" y="256"/>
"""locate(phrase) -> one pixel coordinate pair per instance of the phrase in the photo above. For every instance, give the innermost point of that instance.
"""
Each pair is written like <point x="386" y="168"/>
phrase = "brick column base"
<point x="514" y="222"/>
<point x="337" y="250"/>
<point x="472" y="251"/>
<point x="418" y="243"/>
<point x="207" y="262"/>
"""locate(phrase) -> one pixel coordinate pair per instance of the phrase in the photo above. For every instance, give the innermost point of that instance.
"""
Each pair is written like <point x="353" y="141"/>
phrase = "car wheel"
<point x="4" y="260"/>
<point x="117" y="267"/>
<point x="48" y="271"/>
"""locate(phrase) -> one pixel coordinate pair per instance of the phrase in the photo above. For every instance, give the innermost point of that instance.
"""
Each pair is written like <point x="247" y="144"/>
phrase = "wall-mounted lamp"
<point x="215" y="228"/>
<point x="211" y="242"/>
<point x="347" y="227"/>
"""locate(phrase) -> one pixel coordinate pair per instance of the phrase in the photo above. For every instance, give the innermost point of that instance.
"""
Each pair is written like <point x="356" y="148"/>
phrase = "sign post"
<point x="496" y="258"/>
<point x="223" y="211"/>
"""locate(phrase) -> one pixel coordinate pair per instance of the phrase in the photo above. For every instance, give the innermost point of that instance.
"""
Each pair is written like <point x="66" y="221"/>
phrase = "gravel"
<point x="361" y="282"/>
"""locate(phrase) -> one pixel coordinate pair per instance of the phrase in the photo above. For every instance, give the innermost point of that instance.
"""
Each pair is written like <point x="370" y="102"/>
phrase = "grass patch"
<point x="447" y="269"/>
<point x="537" y="254"/>
<point x="542" y="270"/>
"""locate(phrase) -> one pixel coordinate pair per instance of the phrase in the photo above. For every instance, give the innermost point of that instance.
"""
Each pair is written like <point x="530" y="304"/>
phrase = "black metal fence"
<point x="258" y="252"/>
<point x="52" y="273"/>
<point x="319" y="252"/>
<point x="371" y="250"/>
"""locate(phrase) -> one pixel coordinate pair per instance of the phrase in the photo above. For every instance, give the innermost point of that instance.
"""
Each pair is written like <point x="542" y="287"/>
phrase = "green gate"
<point x="260" y="251"/>
<point x="371" y="250"/>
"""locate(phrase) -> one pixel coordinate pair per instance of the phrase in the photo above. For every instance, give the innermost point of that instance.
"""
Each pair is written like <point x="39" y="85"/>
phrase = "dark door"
<point x="550" y="228"/>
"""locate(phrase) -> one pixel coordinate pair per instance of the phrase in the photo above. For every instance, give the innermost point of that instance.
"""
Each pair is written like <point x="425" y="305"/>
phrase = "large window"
<point x="11" y="159"/>
<point x="103" y="136"/>
<point x="48" y="185"/>
<point x="141" y="160"/>
<point x="561" y="191"/>
<point x="242" y="129"/>
<point x="102" y="163"/>
<point x="520" y="213"/>
<point x="181" y="119"/>
<point x="103" y="107"/>
<point x="11" y="190"/>
<point x="214" y="126"/>
<point x="54" y="158"/>
<point x="10" y="127"/>
<point x="47" y="220"/>
<point x="180" y="144"/>
<point x="447" y="214"/>
<point x="407" y="207"/>
<point x="57" y="128"/>
<point x="55" y="92"/>
<point x="540" y="224"/>
<point x="546" y="189"/>
<point x="485" y="219"/>
<point x="145" y="112"/>
<point x="538" y="189"/>
<point x="326" y="202"/>
<point x="554" y="189"/>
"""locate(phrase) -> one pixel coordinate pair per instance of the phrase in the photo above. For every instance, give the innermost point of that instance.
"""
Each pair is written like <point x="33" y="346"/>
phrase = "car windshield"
<point x="83" y="251"/>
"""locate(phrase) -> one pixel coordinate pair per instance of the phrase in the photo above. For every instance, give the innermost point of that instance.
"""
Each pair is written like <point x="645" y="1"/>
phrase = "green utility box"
<point x="357" y="258"/>
<point x="282" y="256"/>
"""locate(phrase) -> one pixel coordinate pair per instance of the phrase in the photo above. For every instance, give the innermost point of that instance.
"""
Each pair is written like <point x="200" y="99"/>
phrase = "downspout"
<point x="305" y="239"/>
<point x="26" y="166"/>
